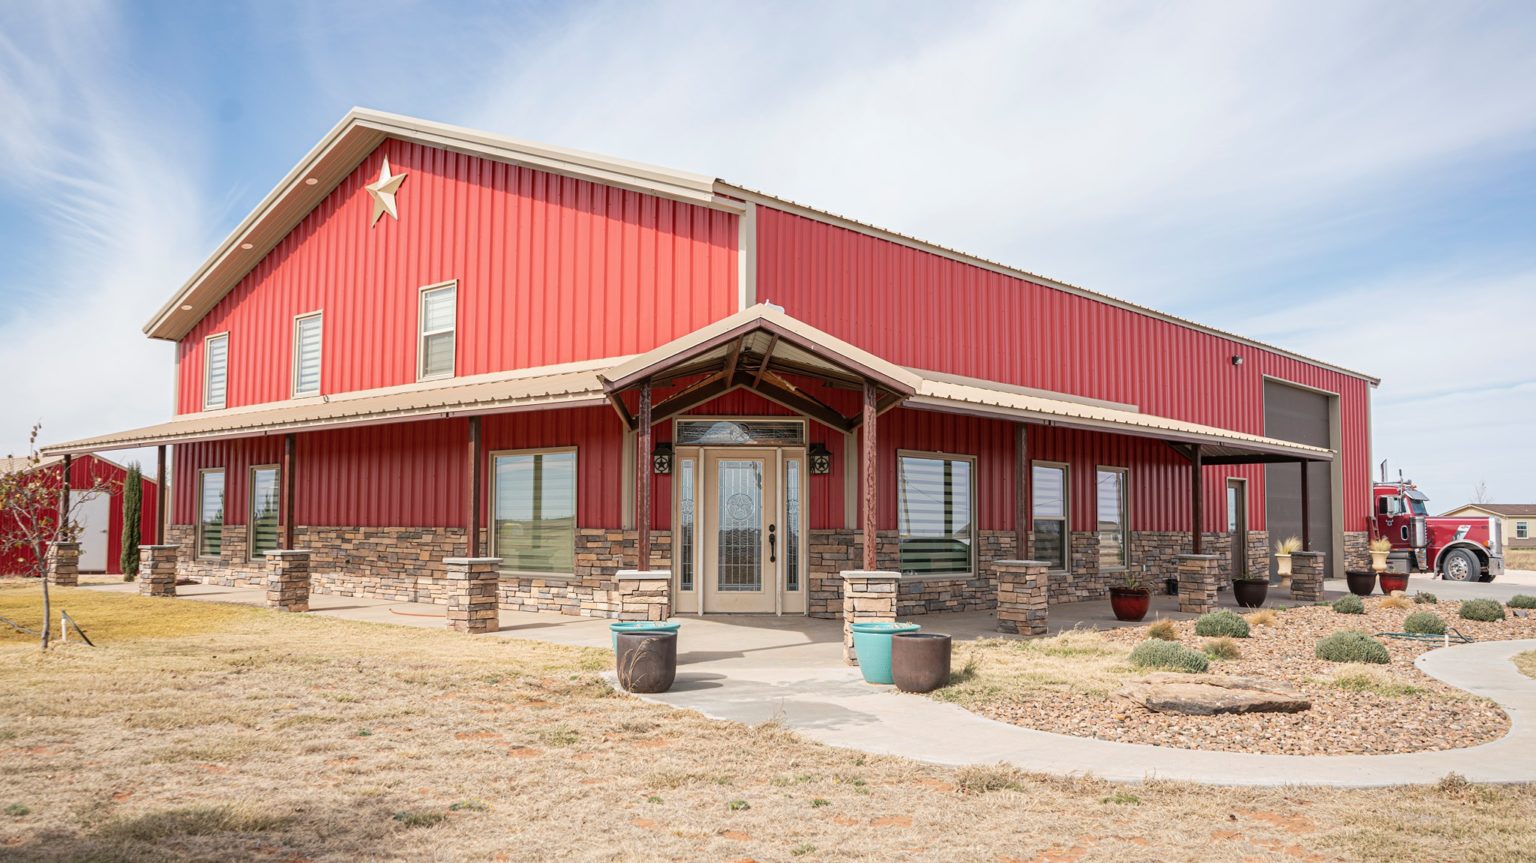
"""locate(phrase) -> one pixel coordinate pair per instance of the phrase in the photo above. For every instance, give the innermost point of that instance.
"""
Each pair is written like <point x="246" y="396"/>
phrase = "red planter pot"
<point x="1391" y="581"/>
<point x="1129" y="605"/>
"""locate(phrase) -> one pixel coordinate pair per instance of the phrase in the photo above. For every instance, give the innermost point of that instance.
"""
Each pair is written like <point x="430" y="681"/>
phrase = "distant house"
<point x="101" y="517"/>
<point x="1519" y="520"/>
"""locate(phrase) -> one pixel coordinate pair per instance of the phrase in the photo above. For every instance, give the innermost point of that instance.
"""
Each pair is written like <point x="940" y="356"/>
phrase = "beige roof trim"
<point x="344" y="148"/>
<point x="753" y="196"/>
<point x="529" y="389"/>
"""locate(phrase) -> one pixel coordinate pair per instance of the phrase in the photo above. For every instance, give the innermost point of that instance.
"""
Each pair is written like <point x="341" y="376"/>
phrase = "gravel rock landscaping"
<point x="1066" y="685"/>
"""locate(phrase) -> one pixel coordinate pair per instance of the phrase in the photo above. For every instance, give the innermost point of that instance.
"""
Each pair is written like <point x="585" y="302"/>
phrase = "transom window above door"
<point x="724" y="432"/>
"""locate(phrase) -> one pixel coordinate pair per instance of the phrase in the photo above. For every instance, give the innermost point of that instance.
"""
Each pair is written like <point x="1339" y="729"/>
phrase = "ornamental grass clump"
<point x="1348" y="605"/>
<point x="1396" y="600"/>
<point x="1351" y="646"/>
<point x="1222" y="648"/>
<point x="1262" y="617"/>
<point x="1422" y="598"/>
<point x="1424" y="623"/>
<point x="1163" y="630"/>
<point x="1522" y="600"/>
<point x="1170" y="656"/>
<point x="1219" y="624"/>
<point x="1485" y="610"/>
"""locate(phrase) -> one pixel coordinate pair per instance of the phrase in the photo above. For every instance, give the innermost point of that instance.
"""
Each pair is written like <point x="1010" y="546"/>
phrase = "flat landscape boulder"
<point x="1210" y="694"/>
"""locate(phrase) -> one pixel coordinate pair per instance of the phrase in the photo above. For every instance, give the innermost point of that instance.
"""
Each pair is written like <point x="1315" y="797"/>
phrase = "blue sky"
<point x="1355" y="181"/>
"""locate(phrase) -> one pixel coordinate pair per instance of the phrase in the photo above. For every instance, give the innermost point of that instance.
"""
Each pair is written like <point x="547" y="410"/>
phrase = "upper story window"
<point x="215" y="371"/>
<point x="439" y="321"/>
<point x="306" y="354"/>
<point x="934" y="513"/>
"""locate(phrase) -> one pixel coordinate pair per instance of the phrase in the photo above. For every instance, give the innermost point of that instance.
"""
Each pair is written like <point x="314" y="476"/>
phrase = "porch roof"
<point x="569" y="385"/>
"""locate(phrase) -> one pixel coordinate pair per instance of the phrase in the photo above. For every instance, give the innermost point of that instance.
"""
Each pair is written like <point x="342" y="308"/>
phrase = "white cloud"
<point x="110" y="176"/>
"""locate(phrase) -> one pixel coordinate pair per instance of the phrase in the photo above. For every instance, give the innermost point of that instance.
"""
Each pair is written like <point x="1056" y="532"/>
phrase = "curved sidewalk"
<point x="834" y="706"/>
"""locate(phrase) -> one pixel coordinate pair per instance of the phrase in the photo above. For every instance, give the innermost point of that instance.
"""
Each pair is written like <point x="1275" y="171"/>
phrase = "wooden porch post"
<point x="1197" y="499"/>
<point x="1306" y="507"/>
<point x="64" y="493"/>
<point x="285" y="490"/>
<point x="643" y="482"/>
<point x="475" y="472"/>
<point x="870" y="541"/>
<point x="1021" y="491"/>
<point x="162" y="498"/>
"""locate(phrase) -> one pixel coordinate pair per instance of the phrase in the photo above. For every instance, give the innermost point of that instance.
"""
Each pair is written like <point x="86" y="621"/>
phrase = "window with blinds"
<point x="534" y="511"/>
<point x="439" y="318"/>
<point x="1048" y="491"/>
<point x="306" y="355"/>
<point x="210" y="513"/>
<point x="1112" y="519"/>
<point x="215" y="371"/>
<point x="935" y="522"/>
<point x="264" y="497"/>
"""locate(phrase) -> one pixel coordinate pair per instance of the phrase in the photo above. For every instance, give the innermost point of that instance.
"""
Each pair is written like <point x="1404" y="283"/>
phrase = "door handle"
<point x="773" y="544"/>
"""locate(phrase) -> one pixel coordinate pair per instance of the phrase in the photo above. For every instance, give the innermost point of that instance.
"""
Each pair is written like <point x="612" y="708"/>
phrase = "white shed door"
<point x="91" y="512"/>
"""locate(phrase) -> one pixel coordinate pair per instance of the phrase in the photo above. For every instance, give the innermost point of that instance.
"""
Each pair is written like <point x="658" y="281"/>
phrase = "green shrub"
<point x="1168" y="655"/>
<point x="1222" y="624"/>
<point x="1523" y="600"/>
<point x="1348" y="605"/>
<point x="1482" y="609"/>
<point x="1351" y="646"/>
<point x="1423" y="598"/>
<point x="1424" y="623"/>
<point x="1222" y="648"/>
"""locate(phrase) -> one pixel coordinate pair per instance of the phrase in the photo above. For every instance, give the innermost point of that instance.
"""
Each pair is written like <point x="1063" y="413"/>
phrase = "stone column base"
<point x="869" y="596"/>
<point x="472" y="583"/>
<point x="1022" y="590"/>
<point x="63" y="564"/>
<point x="157" y="570"/>
<point x="1198" y="576"/>
<point x="288" y="580"/>
<point x="1307" y="576"/>
<point x="644" y="595"/>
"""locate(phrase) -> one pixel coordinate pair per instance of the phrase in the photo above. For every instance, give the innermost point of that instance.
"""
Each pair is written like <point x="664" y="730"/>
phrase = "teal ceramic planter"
<point x="872" y="645"/>
<point x="640" y="626"/>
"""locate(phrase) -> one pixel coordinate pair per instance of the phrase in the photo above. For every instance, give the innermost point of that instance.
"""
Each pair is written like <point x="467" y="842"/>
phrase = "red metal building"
<point x="100" y="517"/>
<point x="425" y="328"/>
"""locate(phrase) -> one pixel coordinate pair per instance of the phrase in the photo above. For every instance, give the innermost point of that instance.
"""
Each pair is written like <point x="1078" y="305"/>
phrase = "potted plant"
<point x="1250" y="590"/>
<point x="1283" y="551"/>
<point x="1380" y="548"/>
<point x="1131" y="599"/>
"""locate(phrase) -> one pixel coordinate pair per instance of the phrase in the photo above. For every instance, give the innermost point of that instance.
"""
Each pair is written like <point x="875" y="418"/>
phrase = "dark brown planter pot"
<point x="919" y="661"/>
<point x="1361" y="582"/>
<point x="647" y="661"/>
<point x="1391" y="581"/>
<point x="1129" y="605"/>
<point x="1250" y="593"/>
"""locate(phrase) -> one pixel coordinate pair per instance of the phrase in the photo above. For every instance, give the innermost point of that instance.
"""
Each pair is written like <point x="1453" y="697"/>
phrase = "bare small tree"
<point x="1480" y="492"/>
<point x="35" y="513"/>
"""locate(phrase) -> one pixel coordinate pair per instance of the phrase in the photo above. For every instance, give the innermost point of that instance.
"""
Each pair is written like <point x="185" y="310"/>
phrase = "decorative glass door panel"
<point x="741" y="531"/>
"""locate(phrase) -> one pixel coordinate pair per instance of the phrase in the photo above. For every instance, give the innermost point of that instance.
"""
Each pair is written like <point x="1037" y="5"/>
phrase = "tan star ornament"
<point x="383" y="193"/>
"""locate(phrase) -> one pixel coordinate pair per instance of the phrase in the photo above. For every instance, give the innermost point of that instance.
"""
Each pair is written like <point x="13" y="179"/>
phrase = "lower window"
<point x="534" y="511"/>
<point x="1112" y="518"/>
<point x="934" y="514"/>
<point x="210" y="513"/>
<point x="1048" y="486"/>
<point x="264" y="497"/>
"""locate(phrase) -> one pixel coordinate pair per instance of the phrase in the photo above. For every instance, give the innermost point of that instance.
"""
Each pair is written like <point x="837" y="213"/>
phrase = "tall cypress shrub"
<point x="133" y="506"/>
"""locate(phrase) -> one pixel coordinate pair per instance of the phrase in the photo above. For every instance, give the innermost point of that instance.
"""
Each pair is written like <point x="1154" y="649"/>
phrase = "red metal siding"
<point x="550" y="270"/>
<point x="84" y="471"/>
<point x="928" y="311"/>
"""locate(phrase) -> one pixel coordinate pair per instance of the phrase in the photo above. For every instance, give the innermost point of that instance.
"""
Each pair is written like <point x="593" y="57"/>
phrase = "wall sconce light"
<point x="821" y="460"/>
<point x="661" y="458"/>
<point x="1237" y="359"/>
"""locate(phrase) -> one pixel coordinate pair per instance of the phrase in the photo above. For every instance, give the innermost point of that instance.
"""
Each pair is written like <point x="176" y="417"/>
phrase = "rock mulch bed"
<point x="1375" y="709"/>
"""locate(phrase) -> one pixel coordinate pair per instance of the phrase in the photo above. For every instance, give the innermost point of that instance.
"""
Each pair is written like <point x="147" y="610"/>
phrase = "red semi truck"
<point x="1458" y="548"/>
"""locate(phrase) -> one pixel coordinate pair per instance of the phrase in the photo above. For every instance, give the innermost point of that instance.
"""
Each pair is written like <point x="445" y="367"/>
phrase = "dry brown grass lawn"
<point x="1526" y="662"/>
<point x="207" y="732"/>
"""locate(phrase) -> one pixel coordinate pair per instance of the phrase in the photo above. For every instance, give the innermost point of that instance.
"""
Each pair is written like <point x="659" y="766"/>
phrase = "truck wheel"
<point x="1460" y="565"/>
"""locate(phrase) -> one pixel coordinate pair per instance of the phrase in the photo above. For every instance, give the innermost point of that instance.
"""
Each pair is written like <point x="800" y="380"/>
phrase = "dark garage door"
<point x="1298" y="415"/>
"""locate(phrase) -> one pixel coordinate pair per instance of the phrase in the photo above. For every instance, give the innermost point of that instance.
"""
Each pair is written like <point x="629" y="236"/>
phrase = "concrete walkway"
<point x="760" y="668"/>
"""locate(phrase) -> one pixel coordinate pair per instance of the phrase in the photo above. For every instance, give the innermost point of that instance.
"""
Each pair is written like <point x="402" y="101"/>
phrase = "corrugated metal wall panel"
<point x="84" y="471"/>
<point x="550" y="270"/>
<point x="924" y="310"/>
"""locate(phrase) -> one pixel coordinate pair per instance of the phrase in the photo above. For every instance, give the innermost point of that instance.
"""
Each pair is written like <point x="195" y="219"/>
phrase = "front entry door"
<point x="741" y="531"/>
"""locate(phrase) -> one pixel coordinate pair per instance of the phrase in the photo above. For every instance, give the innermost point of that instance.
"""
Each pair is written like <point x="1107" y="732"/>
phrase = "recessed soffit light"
<point x="186" y="308"/>
<point x="310" y="181"/>
<point x="246" y="246"/>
